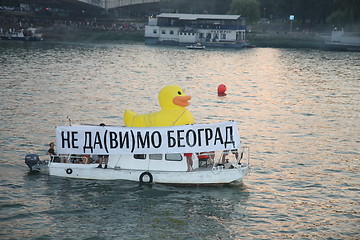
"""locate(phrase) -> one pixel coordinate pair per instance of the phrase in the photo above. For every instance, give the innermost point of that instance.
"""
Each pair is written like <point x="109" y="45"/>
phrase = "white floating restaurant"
<point x="208" y="29"/>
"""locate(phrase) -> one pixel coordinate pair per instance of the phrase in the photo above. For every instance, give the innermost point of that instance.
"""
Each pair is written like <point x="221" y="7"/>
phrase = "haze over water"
<point x="297" y="110"/>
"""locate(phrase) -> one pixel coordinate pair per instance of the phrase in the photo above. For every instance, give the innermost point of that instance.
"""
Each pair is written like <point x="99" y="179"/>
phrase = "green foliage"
<point x="9" y="3"/>
<point x="339" y="12"/>
<point x="197" y="6"/>
<point x="347" y="12"/>
<point x="313" y="11"/>
<point x="250" y="9"/>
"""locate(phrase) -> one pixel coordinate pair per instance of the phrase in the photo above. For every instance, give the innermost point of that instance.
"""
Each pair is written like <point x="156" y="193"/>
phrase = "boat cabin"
<point x="160" y="162"/>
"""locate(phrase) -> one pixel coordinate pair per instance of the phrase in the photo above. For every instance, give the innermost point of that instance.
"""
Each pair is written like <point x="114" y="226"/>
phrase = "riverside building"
<point x="207" y="29"/>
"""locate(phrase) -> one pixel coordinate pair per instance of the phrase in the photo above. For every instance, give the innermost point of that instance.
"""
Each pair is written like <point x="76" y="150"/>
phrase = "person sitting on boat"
<point x="205" y="156"/>
<point x="81" y="159"/>
<point x="86" y="159"/>
<point x="51" y="150"/>
<point x="101" y="157"/>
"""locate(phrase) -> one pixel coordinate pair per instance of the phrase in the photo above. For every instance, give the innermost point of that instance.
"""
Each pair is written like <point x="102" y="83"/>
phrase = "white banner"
<point x="104" y="140"/>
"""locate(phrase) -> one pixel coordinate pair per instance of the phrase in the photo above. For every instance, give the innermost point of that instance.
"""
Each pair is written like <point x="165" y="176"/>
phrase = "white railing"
<point x="236" y="157"/>
<point x="109" y="4"/>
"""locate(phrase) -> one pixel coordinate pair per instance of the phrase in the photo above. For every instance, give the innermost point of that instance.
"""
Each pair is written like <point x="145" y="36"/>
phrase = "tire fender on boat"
<point x="69" y="171"/>
<point x="146" y="177"/>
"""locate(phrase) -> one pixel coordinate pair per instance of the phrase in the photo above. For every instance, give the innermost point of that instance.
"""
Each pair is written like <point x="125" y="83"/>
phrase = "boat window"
<point x="171" y="31"/>
<point x="139" y="156"/>
<point x="155" y="156"/>
<point x="163" y="32"/>
<point x="173" y="157"/>
<point x="154" y="31"/>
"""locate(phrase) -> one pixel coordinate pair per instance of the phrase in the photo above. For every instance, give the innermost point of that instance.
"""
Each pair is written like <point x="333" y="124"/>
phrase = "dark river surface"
<point x="297" y="109"/>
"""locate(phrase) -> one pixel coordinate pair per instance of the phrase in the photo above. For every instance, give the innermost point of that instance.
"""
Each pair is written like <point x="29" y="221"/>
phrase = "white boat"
<point x="148" y="154"/>
<point x="196" y="46"/>
<point x="150" y="168"/>
<point x="29" y="35"/>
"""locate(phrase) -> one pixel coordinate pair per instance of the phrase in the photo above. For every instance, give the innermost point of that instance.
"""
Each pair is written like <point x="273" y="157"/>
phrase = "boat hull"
<point x="30" y="39"/>
<point x="195" y="47"/>
<point x="210" y="175"/>
<point x="156" y="41"/>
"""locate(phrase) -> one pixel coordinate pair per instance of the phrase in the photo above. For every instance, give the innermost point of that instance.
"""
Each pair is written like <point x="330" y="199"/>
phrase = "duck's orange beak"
<point x="181" y="100"/>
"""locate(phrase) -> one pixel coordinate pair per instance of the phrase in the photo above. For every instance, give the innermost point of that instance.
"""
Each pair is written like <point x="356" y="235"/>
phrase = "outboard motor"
<point x="31" y="160"/>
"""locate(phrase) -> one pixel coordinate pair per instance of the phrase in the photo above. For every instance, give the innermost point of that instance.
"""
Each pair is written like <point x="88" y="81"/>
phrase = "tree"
<point x="347" y="12"/>
<point x="197" y="6"/>
<point x="305" y="11"/>
<point x="246" y="8"/>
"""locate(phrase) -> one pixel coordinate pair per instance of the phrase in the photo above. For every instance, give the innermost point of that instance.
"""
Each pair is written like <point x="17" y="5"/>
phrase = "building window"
<point x="223" y="36"/>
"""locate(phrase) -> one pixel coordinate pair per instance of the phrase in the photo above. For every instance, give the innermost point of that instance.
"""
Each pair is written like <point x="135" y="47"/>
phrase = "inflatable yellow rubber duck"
<point x="172" y="101"/>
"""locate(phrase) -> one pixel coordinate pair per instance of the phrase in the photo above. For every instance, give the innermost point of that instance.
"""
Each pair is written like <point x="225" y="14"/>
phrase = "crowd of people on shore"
<point x="20" y="23"/>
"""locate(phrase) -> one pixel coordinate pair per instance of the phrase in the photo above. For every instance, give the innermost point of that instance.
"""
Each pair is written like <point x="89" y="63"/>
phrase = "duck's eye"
<point x="179" y="92"/>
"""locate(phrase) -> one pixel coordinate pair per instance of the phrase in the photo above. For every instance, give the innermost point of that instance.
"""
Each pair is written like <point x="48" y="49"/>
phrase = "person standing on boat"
<point x="52" y="153"/>
<point x="189" y="161"/>
<point x="51" y="150"/>
<point x="101" y="157"/>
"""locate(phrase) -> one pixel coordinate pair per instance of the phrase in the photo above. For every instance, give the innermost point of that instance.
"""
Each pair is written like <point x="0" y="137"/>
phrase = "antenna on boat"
<point x="69" y="120"/>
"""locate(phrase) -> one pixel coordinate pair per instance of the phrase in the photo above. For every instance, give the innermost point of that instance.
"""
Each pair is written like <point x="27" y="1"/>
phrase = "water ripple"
<point x="296" y="109"/>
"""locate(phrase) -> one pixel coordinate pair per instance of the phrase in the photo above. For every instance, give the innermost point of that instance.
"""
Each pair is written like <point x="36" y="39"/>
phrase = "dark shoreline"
<point x="96" y="35"/>
<point x="61" y="33"/>
<point x="286" y="41"/>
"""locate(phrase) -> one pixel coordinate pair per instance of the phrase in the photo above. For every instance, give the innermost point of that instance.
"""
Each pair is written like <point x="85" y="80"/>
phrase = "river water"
<point x="297" y="110"/>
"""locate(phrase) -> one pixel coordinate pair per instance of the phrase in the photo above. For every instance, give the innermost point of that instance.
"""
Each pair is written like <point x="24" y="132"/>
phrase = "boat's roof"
<point x="183" y="16"/>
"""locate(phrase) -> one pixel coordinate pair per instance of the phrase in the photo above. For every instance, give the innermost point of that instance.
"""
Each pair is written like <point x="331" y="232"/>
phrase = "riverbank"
<point x="279" y="35"/>
<point x="286" y="40"/>
<point x="64" y="33"/>
<point x="270" y="34"/>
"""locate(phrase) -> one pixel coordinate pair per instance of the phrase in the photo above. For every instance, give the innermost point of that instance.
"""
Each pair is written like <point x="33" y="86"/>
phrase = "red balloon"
<point x="221" y="89"/>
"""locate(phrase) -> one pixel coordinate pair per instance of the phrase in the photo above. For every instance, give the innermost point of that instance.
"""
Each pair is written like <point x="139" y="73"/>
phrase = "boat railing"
<point x="69" y="158"/>
<point x="235" y="157"/>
